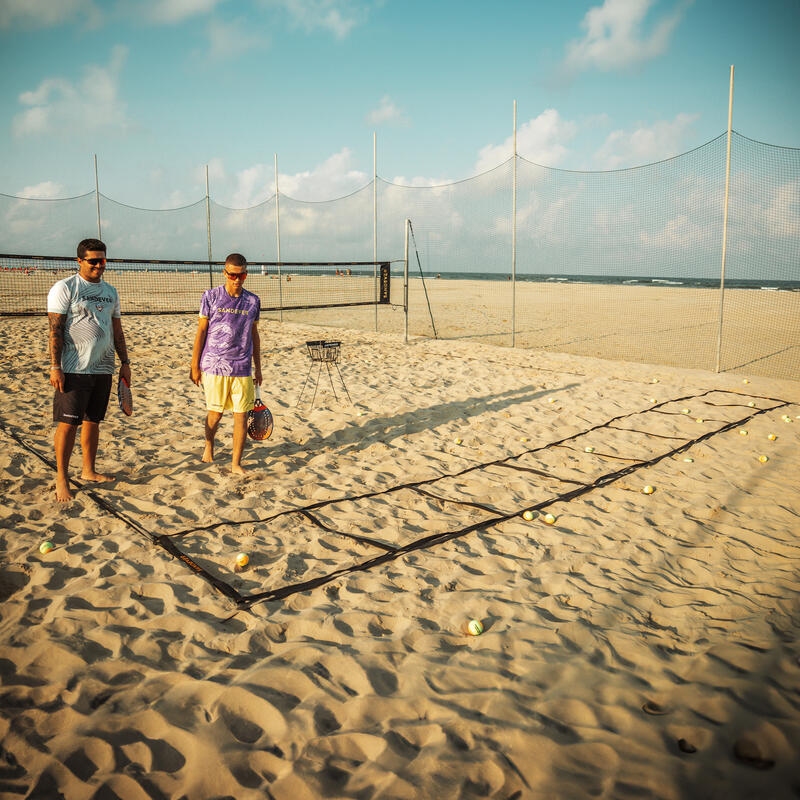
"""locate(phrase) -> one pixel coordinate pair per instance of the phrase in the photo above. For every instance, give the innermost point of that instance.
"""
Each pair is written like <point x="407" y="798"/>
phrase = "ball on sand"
<point x="458" y="441"/>
<point x="685" y="411"/>
<point x="688" y="460"/>
<point x="763" y="459"/>
<point x="772" y="437"/>
<point x="751" y="404"/>
<point x="46" y="547"/>
<point x="742" y="432"/>
<point x="475" y="627"/>
<point x="551" y="400"/>
<point x="242" y="560"/>
<point x="699" y="419"/>
<point x="653" y="400"/>
<point x="648" y="490"/>
<point x="655" y="380"/>
<point x="589" y="449"/>
<point x="745" y="381"/>
<point x="549" y="519"/>
<point x="527" y="515"/>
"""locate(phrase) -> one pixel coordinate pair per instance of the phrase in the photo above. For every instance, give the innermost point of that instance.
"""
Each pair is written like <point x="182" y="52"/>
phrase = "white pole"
<point x="405" y="280"/>
<point x="375" y="221"/>
<point x="514" y="241"/>
<point x="208" y="233"/>
<point x="725" y="223"/>
<point x="278" y="236"/>
<point x="97" y="197"/>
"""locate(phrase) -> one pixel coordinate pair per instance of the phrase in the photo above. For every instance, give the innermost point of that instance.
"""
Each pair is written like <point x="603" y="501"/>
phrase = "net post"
<point x="725" y="225"/>
<point x="208" y="232"/>
<point x="405" y="281"/>
<point x="375" y="220"/>
<point x="97" y="197"/>
<point x="278" y="237"/>
<point x="514" y="240"/>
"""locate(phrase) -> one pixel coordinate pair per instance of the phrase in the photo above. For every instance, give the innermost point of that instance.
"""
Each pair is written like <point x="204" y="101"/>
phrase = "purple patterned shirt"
<point x="229" y="342"/>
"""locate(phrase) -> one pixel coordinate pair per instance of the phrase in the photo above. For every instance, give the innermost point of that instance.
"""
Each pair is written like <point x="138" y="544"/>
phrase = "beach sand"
<point x="643" y="645"/>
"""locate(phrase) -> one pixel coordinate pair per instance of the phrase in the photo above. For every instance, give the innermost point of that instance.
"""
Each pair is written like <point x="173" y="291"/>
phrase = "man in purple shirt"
<point x="226" y="343"/>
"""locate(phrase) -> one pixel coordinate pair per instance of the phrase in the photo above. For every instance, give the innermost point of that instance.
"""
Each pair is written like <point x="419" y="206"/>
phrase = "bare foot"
<point x="208" y="454"/>
<point x="96" y="477"/>
<point x="238" y="469"/>
<point x="63" y="493"/>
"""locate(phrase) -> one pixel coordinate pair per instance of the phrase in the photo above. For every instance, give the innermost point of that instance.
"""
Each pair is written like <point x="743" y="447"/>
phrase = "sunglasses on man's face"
<point x="236" y="275"/>
<point x="95" y="262"/>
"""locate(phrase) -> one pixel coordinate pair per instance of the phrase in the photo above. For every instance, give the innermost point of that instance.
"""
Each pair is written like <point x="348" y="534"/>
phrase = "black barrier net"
<point x="342" y="535"/>
<point x="148" y="286"/>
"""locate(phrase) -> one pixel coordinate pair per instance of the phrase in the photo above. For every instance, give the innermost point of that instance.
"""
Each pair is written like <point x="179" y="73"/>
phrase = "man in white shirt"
<point x="85" y="330"/>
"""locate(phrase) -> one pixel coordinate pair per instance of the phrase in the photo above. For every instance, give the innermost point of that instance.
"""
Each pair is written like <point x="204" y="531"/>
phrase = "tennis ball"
<point x="653" y="400"/>
<point x="763" y="459"/>
<point x="549" y="519"/>
<point x="688" y="460"/>
<point x="772" y="437"/>
<point x="589" y="449"/>
<point x="523" y="438"/>
<point x="458" y="441"/>
<point x="648" y="490"/>
<point x="699" y="419"/>
<point x="551" y="400"/>
<point x="475" y="627"/>
<point x="242" y="560"/>
<point x="528" y="515"/>
<point x="655" y="380"/>
<point x="743" y="432"/>
<point x="751" y="404"/>
<point x="745" y="381"/>
<point x="46" y="547"/>
<point x="786" y="418"/>
<point x="685" y="411"/>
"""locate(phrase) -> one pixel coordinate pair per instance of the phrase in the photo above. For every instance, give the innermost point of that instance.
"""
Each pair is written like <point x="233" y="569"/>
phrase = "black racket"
<point x="125" y="396"/>
<point x="259" y="420"/>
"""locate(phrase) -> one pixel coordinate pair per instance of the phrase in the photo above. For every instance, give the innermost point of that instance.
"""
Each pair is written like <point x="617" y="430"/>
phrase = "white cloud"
<point x="540" y="140"/>
<point x="169" y="12"/>
<point x="47" y="190"/>
<point x="59" y="106"/>
<point x="46" y="13"/>
<point x="387" y="111"/>
<point x="661" y="140"/>
<point x="614" y="38"/>
<point x="338" y="17"/>
<point x="229" y="39"/>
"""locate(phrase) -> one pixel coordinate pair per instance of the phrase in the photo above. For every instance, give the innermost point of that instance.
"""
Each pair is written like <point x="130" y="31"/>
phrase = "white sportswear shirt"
<point x="88" y="333"/>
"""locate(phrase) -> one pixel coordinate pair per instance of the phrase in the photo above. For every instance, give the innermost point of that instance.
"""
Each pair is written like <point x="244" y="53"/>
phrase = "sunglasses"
<point x="236" y="275"/>
<point x="95" y="262"/>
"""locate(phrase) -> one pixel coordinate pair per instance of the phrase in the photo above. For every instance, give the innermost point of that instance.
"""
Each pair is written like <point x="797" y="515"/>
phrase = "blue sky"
<point x="159" y="88"/>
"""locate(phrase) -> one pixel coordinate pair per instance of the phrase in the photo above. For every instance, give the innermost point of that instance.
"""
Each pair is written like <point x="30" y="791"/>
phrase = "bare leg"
<point x="212" y="423"/>
<point x="64" y="441"/>
<point x="90" y="436"/>
<point x="239" y="436"/>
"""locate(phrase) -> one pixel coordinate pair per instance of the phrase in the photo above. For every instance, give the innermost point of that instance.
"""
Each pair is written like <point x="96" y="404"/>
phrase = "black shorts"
<point x="84" y="397"/>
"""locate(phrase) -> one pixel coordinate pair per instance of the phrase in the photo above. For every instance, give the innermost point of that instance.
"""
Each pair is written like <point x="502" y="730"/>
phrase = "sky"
<point x="158" y="89"/>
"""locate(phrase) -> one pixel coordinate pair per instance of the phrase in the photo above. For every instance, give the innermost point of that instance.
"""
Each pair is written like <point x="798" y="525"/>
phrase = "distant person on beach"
<point x="226" y="350"/>
<point x="85" y="331"/>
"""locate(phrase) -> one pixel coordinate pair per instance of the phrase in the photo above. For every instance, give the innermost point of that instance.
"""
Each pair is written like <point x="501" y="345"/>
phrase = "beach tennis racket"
<point x="259" y="420"/>
<point x="125" y="396"/>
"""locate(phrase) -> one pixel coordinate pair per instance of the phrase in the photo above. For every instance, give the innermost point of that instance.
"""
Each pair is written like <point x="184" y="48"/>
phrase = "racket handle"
<point x="258" y="394"/>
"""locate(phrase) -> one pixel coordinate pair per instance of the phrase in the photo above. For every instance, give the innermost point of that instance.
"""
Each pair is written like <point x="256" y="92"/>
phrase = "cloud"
<point x="614" y="38"/>
<point x="540" y="140"/>
<point x="387" y="111"/>
<point x="47" y="190"/>
<point x="170" y="12"/>
<point x="228" y="39"/>
<point x="661" y="140"/>
<point x="57" y="105"/>
<point x="47" y="13"/>
<point x="338" y="17"/>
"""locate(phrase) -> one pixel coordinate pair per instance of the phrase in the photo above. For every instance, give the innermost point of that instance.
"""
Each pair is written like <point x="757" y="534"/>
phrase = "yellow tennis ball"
<point x="763" y="459"/>
<point x="528" y="515"/>
<point x="589" y="449"/>
<point x="549" y="519"/>
<point x="772" y="437"/>
<point x="751" y="404"/>
<point x="475" y="627"/>
<point x="458" y="441"/>
<point x="700" y="419"/>
<point x="655" y="380"/>
<point x="648" y="490"/>
<point x="688" y="460"/>
<point x="653" y="400"/>
<point x="551" y="400"/>
<point x="742" y="432"/>
<point x="46" y="547"/>
<point x="745" y="381"/>
<point x="523" y="439"/>
<point x="242" y="560"/>
<point x="685" y="411"/>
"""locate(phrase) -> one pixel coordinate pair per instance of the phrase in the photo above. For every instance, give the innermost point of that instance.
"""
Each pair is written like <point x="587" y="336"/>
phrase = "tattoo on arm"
<point x="56" y="338"/>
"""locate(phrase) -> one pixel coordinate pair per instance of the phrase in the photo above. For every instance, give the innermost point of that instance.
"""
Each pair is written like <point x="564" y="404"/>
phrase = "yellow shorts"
<point x="224" y="393"/>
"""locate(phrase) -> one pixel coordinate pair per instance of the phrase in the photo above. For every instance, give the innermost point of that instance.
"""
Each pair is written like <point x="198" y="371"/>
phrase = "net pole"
<point x="514" y="240"/>
<point x="97" y="197"/>
<point x="725" y="224"/>
<point x="405" y="280"/>
<point x="208" y="232"/>
<point x="375" y="221"/>
<point x="278" y="237"/>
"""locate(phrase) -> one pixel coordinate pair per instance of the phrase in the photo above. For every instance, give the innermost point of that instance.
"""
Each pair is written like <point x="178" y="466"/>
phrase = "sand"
<point x="641" y="646"/>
